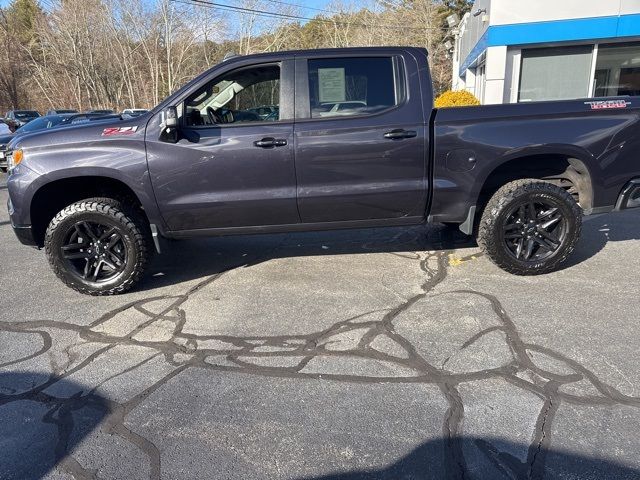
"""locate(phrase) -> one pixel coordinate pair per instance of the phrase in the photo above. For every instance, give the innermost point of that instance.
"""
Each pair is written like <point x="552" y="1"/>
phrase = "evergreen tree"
<point x="23" y="18"/>
<point x="459" y="7"/>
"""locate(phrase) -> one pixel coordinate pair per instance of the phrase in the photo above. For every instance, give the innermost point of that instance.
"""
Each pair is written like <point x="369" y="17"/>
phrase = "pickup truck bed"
<point x="596" y="150"/>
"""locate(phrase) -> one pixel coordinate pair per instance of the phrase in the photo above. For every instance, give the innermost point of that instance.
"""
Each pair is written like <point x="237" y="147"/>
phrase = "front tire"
<point x="530" y="227"/>
<point x="98" y="247"/>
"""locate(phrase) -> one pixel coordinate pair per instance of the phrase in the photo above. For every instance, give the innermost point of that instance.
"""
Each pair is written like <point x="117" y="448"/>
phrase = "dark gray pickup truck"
<point x="320" y="139"/>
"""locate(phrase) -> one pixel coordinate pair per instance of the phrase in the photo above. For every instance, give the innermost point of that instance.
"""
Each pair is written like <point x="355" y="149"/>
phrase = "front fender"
<point x="42" y="166"/>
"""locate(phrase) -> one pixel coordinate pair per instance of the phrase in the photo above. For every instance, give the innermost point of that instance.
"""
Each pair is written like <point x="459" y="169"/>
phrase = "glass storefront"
<point x="559" y="73"/>
<point x="617" y="70"/>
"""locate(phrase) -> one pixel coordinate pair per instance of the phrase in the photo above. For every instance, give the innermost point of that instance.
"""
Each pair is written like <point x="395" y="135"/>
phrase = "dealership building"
<point x="509" y="51"/>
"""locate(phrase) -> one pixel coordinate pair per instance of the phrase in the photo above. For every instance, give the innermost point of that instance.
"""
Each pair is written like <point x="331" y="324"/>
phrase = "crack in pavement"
<point x="317" y="355"/>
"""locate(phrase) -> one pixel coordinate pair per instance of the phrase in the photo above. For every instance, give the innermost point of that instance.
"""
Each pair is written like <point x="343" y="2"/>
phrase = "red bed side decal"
<point x="607" y="104"/>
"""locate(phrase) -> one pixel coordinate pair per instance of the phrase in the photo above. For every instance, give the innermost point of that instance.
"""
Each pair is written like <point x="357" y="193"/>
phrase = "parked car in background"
<point x="21" y="117"/>
<point x="59" y="111"/>
<point x="4" y="128"/>
<point x="6" y="134"/>
<point x="266" y="112"/>
<point x="5" y="131"/>
<point x="335" y="109"/>
<point x="101" y="112"/>
<point x="12" y="124"/>
<point x="134" y="112"/>
<point x="78" y="118"/>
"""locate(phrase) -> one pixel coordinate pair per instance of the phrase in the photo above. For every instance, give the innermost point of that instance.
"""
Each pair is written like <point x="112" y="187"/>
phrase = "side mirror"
<point x="171" y="117"/>
<point x="169" y="125"/>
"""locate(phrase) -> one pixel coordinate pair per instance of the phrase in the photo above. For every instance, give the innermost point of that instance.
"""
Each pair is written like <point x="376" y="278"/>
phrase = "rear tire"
<point x="98" y="246"/>
<point x="530" y="227"/>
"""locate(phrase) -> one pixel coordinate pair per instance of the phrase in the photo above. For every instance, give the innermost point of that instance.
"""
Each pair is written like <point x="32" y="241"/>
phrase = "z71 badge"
<point x="607" y="104"/>
<point x="110" y="131"/>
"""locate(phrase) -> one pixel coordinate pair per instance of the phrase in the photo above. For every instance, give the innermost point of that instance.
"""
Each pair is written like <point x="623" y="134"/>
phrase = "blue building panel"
<point x="592" y="29"/>
<point x="481" y="46"/>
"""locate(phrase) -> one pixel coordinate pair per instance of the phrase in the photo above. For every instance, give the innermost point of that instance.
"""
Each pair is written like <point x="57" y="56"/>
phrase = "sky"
<point x="300" y="8"/>
<point x="307" y="3"/>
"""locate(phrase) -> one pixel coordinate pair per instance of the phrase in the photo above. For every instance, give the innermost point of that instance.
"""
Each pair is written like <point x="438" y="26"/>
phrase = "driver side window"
<point x="242" y="96"/>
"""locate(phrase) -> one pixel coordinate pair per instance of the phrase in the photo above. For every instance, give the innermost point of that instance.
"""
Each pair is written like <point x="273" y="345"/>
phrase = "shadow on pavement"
<point x="39" y="430"/>
<point x="490" y="459"/>
<point x="599" y="230"/>
<point x="196" y="258"/>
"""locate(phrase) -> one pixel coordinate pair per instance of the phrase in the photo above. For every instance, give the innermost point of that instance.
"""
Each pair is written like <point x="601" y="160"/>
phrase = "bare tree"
<point x="124" y="53"/>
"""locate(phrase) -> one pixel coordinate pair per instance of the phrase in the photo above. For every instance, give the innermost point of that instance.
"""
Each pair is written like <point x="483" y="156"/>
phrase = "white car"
<point x="333" y="109"/>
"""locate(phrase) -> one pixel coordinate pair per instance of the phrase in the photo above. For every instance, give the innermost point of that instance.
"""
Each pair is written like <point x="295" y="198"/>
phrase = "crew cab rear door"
<point x="361" y="138"/>
<point x="232" y="165"/>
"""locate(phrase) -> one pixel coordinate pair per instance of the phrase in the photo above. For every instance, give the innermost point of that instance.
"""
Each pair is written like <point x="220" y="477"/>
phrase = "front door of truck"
<point x="233" y="163"/>
<point x="361" y="138"/>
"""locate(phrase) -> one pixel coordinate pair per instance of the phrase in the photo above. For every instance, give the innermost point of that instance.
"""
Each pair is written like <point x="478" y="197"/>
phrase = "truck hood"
<point x="81" y="134"/>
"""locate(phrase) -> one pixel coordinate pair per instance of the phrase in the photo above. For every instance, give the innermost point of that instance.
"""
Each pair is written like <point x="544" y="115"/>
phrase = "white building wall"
<point x="506" y="12"/>
<point x="470" y="82"/>
<point x="502" y="64"/>
<point x="495" y="72"/>
<point x="512" y="75"/>
<point x="629" y="6"/>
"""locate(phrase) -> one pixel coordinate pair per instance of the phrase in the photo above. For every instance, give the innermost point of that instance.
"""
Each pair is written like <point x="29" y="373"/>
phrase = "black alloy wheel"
<point x="534" y="230"/>
<point x="94" y="251"/>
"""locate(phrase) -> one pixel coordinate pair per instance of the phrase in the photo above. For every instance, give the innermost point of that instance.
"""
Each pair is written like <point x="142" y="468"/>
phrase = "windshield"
<point x="42" y="123"/>
<point x="23" y="115"/>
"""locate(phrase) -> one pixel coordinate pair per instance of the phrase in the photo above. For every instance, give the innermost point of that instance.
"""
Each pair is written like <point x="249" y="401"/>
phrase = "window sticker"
<point x="331" y="85"/>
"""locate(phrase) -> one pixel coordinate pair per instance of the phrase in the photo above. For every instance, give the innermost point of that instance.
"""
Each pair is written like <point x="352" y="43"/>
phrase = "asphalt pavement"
<point x="366" y="354"/>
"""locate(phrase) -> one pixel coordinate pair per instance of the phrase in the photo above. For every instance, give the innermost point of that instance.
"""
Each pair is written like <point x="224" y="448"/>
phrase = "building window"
<point x="617" y="70"/>
<point x="557" y="73"/>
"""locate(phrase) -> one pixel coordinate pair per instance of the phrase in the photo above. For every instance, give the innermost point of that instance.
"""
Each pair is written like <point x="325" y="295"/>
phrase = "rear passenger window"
<point x="340" y="87"/>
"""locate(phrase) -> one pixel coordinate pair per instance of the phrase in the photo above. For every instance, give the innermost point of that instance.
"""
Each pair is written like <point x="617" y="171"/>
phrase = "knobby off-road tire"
<point x="98" y="246"/>
<point x="530" y="227"/>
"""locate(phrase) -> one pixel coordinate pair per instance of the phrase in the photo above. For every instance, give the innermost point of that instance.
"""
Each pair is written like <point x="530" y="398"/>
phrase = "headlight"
<point x="14" y="158"/>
